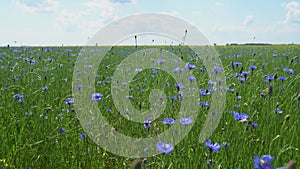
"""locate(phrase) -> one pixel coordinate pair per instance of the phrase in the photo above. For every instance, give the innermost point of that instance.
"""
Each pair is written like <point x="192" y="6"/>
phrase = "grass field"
<point x="39" y="127"/>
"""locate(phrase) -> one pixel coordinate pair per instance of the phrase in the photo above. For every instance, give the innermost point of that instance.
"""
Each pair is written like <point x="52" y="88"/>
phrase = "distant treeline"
<point x="236" y="44"/>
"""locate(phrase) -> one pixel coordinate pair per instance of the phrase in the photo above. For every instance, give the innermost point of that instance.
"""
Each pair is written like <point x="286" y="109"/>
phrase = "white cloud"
<point x="248" y="20"/>
<point x="40" y="6"/>
<point x="95" y="15"/>
<point x="293" y="14"/>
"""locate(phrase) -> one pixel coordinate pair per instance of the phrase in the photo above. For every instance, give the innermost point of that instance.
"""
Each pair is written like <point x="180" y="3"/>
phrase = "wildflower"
<point x="18" y="96"/>
<point x="204" y="92"/>
<point x="240" y="117"/>
<point x="82" y="136"/>
<point x="217" y="69"/>
<point x="206" y="104"/>
<point x="290" y="71"/>
<point x="69" y="101"/>
<point x="164" y="148"/>
<point x="179" y="86"/>
<point x="264" y="162"/>
<point x="269" y="78"/>
<point x="97" y="97"/>
<point x="160" y="61"/>
<point x="21" y="101"/>
<point x="147" y="123"/>
<point x="129" y="97"/>
<point x="186" y="121"/>
<point x="241" y="79"/>
<point x="190" y="66"/>
<point x="245" y="73"/>
<point x="44" y="88"/>
<point x="191" y="78"/>
<point x="62" y="130"/>
<point x="32" y="61"/>
<point x="168" y="121"/>
<point x="79" y="86"/>
<point x="236" y="105"/>
<point x="282" y="78"/>
<point x="178" y="70"/>
<point x="253" y="124"/>
<point x="237" y="64"/>
<point x="213" y="147"/>
<point x="253" y="67"/>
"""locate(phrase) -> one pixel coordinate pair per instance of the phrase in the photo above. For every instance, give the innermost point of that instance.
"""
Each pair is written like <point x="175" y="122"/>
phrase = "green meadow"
<point x="40" y="129"/>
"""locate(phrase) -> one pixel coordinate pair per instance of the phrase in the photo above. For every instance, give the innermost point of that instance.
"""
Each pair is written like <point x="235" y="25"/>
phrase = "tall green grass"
<point x="30" y="135"/>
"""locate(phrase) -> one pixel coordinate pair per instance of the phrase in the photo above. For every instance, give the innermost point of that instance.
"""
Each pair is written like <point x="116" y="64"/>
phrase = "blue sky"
<point x="69" y="22"/>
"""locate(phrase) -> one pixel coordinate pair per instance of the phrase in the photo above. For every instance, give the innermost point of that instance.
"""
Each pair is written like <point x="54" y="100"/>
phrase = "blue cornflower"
<point x="62" y="130"/>
<point x="179" y="86"/>
<point x="263" y="162"/>
<point x="241" y="79"/>
<point x="245" y="73"/>
<point x="239" y="117"/>
<point x="252" y="67"/>
<point x="129" y="97"/>
<point x="178" y="70"/>
<point x="44" y="88"/>
<point x="97" y="97"/>
<point x="254" y="124"/>
<point x="79" y="86"/>
<point x="282" y="78"/>
<point x="204" y="92"/>
<point x="237" y="64"/>
<point x="160" y="61"/>
<point x="213" y="147"/>
<point x="147" y="123"/>
<point x="290" y="71"/>
<point x="21" y="101"/>
<point x="191" y="78"/>
<point x="206" y="104"/>
<point x="236" y="105"/>
<point x="190" y="66"/>
<point x="269" y="78"/>
<point x="82" y="136"/>
<point x="217" y="69"/>
<point x="18" y="96"/>
<point x="212" y="83"/>
<point x="186" y="121"/>
<point x="164" y="148"/>
<point x="168" y="121"/>
<point x="32" y="61"/>
<point x="69" y="101"/>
